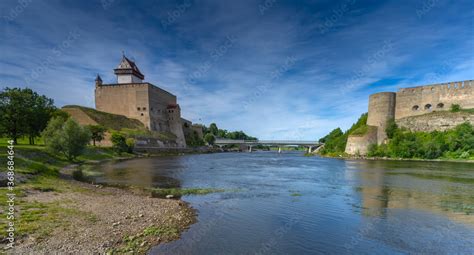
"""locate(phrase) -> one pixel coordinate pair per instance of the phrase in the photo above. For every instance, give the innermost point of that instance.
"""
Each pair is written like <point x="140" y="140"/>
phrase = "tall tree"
<point x="213" y="129"/>
<point x="66" y="137"/>
<point x="97" y="133"/>
<point x="24" y="112"/>
<point x="42" y="109"/>
<point x="209" y="138"/>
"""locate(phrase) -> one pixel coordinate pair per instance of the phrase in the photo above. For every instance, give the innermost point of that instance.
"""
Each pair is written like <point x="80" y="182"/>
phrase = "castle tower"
<point x="381" y="110"/>
<point x="174" y="119"/>
<point x="128" y="72"/>
<point x="98" y="81"/>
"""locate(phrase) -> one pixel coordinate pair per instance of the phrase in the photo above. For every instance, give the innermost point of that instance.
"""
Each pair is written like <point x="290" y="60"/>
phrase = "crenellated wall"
<point x="437" y="97"/>
<point x="409" y="107"/>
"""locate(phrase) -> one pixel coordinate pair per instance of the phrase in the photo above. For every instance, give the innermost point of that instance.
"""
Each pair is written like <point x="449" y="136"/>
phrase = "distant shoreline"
<point x="397" y="159"/>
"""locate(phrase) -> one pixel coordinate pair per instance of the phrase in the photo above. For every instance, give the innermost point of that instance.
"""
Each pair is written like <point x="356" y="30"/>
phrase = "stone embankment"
<point x="441" y="121"/>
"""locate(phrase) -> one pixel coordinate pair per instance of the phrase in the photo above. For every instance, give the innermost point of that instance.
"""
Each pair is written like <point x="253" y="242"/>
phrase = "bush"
<point x="130" y="144"/>
<point x="455" y="108"/>
<point x="119" y="143"/>
<point x="335" y="142"/>
<point x="209" y="138"/>
<point x="66" y="137"/>
<point x="455" y="143"/>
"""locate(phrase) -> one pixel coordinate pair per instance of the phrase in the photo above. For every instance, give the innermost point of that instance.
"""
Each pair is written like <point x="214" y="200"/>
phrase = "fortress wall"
<point x="176" y="126"/>
<point x="381" y="110"/>
<point x="438" y="97"/>
<point x="124" y="99"/>
<point x="159" y="99"/>
<point x="439" y="121"/>
<point x="360" y="144"/>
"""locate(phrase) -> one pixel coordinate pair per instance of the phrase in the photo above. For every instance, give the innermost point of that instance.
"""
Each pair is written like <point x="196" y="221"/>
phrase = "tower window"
<point x="440" y="105"/>
<point x="141" y="114"/>
<point x="415" y="108"/>
<point x="138" y="108"/>
<point x="144" y="108"/>
<point x="428" y="107"/>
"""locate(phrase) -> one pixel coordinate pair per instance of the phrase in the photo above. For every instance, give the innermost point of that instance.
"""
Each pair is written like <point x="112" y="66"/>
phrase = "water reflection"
<point x="435" y="187"/>
<point x="342" y="207"/>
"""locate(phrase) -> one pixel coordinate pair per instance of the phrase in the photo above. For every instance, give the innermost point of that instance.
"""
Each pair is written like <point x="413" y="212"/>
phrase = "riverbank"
<point x="55" y="213"/>
<point x="353" y="157"/>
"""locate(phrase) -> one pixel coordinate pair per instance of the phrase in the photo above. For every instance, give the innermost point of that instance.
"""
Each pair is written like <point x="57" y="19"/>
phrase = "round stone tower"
<point x="381" y="110"/>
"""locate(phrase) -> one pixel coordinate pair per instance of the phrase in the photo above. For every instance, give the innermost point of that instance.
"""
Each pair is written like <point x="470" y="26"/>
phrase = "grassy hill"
<point x="108" y="120"/>
<point x="127" y="126"/>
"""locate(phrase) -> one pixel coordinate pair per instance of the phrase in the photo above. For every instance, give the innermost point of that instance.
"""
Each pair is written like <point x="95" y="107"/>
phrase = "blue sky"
<point x="274" y="69"/>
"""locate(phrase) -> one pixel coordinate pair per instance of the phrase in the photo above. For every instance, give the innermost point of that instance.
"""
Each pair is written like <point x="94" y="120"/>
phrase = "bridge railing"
<point x="270" y="142"/>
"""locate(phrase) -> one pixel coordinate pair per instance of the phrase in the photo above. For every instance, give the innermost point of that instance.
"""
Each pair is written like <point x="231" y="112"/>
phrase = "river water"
<point x="291" y="204"/>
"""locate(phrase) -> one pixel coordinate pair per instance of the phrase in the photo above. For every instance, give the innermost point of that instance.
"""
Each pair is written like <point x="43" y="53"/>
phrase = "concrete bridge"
<point x="280" y="143"/>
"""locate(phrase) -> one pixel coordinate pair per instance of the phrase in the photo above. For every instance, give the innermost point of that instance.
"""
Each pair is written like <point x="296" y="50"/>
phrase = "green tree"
<point x="213" y="129"/>
<point x="66" y="137"/>
<point x="193" y="139"/>
<point x="222" y="133"/>
<point x="119" y="143"/>
<point x="209" y="138"/>
<point x="97" y="133"/>
<point x="391" y="128"/>
<point x="24" y="112"/>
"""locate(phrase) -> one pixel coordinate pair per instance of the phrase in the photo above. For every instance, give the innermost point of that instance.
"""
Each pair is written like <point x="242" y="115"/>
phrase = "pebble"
<point x="115" y="224"/>
<point x="169" y="196"/>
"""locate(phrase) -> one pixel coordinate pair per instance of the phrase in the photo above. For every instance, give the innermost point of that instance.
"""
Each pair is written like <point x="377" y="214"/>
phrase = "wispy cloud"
<point x="326" y="86"/>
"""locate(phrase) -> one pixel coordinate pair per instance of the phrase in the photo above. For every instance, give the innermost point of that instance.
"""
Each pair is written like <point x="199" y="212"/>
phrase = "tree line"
<point x="457" y="143"/>
<point x="25" y="113"/>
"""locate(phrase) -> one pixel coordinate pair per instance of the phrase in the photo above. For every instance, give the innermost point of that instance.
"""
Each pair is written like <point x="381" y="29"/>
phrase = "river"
<point x="291" y="204"/>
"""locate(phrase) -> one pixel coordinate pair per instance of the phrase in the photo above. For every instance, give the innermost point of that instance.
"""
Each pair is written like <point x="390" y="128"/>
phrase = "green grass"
<point x="135" y="133"/>
<point x="138" y="244"/>
<point x="295" y="194"/>
<point x="178" y="192"/>
<point x="109" y="120"/>
<point x="38" y="219"/>
<point x="362" y="130"/>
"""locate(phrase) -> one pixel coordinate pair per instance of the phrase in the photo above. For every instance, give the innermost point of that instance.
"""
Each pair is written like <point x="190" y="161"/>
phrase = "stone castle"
<point x="156" y="108"/>
<point x="409" y="108"/>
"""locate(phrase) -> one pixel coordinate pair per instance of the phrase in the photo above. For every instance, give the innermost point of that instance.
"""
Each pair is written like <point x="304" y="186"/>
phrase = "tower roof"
<point x="98" y="78"/>
<point x="127" y="66"/>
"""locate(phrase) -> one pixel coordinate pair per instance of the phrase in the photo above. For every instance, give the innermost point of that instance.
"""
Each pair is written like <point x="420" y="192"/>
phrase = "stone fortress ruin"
<point x="156" y="108"/>
<point x="414" y="108"/>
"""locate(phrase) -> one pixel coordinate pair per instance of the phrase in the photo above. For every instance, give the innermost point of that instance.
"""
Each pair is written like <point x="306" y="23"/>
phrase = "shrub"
<point x="454" y="143"/>
<point x="209" y="138"/>
<point x="66" y="137"/>
<point x="97" y="132"/>
<point x="455" y="108"/>
<point x="119" y="143"/>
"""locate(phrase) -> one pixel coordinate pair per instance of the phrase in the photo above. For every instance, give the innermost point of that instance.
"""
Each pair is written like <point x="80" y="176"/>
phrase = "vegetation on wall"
<point x="457" y="143"/>
<point x="193" y="139"/>
<point x="335" y="142"/>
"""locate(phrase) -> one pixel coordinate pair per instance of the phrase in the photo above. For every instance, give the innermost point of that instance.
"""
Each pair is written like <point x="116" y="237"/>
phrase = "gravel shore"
<point x="107" y="220"/>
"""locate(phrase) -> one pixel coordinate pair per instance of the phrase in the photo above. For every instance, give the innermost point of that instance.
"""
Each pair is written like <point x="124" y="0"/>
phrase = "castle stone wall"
<point x="360" y="144"/>
<point x="439" y="121"/>
<point x="438" y="97"/>
<point x="124" y="99"/>
<point x="381" y="110"/>
<point x="422" y="108"/>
